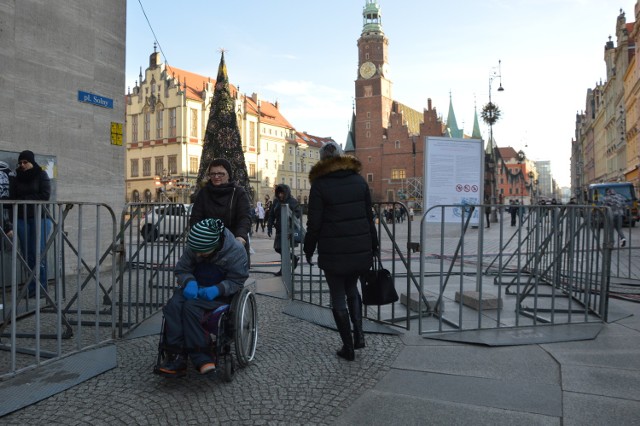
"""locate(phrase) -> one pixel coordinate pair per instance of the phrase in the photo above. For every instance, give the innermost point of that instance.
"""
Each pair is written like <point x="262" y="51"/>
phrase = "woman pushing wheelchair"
<point x="211" y="270"/>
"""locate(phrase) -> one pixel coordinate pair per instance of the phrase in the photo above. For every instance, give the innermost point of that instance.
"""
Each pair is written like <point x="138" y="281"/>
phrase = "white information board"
<point x="454" y="170"/>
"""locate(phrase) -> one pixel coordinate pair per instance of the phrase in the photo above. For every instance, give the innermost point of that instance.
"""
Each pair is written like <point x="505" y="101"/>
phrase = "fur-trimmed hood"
<point x="334" y="164"/>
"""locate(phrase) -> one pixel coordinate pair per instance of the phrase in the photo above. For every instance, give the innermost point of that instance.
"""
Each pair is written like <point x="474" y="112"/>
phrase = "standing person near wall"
<point x="259" y="216"/>
<point x="283" y="196"/>
<point x="223" y="198"/>
<point x="31" y="183"/>
<point x="340" y="224"/>
<point x="617" y="203"/>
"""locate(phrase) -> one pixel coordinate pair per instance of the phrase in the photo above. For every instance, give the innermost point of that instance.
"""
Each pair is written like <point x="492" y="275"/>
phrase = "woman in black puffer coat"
<point x="223" y="198"/>
<point x="340" y="224"/>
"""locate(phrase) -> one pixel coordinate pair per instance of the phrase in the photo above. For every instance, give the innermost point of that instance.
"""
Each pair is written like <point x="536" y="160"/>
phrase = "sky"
<point x="304" y="55"/>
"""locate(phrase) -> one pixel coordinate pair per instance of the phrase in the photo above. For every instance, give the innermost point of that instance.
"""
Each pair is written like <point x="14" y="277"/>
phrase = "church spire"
<point x="476" y="127"/>
<point x="452" y="124"/>
<point x="372" y="18"/>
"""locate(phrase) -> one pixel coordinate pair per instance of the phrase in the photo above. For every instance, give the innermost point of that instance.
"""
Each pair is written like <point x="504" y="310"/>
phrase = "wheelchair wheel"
<point x="245" y="321"/>
<point x="227" y="368"/>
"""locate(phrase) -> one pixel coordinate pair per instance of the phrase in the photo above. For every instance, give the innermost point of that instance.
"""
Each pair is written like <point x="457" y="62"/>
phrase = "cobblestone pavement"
<point x="296" y="378"/>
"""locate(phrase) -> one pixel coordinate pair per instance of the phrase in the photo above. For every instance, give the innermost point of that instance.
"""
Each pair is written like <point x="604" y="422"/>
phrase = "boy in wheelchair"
<point x="211" y="270"/>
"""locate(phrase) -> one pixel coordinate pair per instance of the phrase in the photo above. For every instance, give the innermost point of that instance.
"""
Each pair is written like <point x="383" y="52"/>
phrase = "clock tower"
<point x="373" y="95"/>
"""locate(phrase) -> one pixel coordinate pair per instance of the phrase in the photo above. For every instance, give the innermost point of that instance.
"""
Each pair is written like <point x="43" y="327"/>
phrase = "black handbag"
<point x="378" y="287"/>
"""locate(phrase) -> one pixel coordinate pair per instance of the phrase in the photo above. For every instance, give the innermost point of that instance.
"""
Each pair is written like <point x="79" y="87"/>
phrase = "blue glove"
<point x="269" y="232"/>
<point x="208" y="293"/>
<point x="190" y="290"/>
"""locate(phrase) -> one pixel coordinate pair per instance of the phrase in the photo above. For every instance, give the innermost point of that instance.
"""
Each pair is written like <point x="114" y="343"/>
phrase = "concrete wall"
<point x="50" y="50"/>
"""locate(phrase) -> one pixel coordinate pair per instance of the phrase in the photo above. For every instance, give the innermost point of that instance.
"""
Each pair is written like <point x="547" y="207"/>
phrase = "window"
<point x="252" y="134"/>
<point x="397" y="144"/>
<point x="147" y="126"/>
<point x="369" y="177"/>
<point x="290" y="166"/>
<point x="159" y="166"/>
<point x="266" y="164"/>
<point x="252" y="169"/>
<point x="369" y="159"/>
<point x="193" y="165"/>
<point x="146" y="166"/>
<point x="173" y="164"/>
<point x="194" y="122"/>
<point x="172" y="122"/>
<point x="368" y="91"/>
<point x="159" y="123"/>
<point x="367" y="125"/>
<point x="134" y="128"/>
<point x="398" y="174"/>
<point x="368" y="114"/>
<point x="368" y="134"/>
<point x="134" y="168"/>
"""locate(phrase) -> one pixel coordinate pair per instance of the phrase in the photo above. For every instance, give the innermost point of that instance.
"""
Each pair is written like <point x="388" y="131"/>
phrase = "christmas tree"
<point x="222" y="137"/>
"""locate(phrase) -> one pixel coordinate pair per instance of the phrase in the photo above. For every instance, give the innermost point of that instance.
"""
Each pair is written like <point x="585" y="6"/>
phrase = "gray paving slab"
<point x="54" y="377"/>
<point x="611" y="382"/>
<point x="390" y="408"/>
<point x="522" y="364"/>
<point x="524" y="396"/>
<point x="580" y="409"/>
<point x="508" y="336"/>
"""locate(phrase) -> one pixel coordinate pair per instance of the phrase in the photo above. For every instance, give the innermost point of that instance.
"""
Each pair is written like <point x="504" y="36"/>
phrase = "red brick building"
<point x="387" y="136"/>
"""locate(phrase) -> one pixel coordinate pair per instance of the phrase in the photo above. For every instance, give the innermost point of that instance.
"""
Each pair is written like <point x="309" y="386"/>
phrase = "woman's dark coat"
<point x="229" y="202"/>
<point x="340" y="218"/>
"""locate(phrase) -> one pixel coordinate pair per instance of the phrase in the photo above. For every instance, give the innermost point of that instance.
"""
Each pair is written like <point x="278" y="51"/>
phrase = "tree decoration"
<point x="490" y="113"/>
<point x="222" y="137"/>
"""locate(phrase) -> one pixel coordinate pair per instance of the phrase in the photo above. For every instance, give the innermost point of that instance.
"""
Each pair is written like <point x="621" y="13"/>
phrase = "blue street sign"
<point x="94" y="99"/>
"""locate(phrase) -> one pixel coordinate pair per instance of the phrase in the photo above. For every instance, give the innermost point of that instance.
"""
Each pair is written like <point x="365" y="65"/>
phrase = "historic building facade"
<point x="606" y="141"/>
<point x="387" y="136"/>
<point x="166" y="118"/>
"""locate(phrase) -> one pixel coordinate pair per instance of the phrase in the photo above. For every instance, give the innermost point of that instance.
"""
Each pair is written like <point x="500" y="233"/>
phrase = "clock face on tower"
<point x="367" y="70"/>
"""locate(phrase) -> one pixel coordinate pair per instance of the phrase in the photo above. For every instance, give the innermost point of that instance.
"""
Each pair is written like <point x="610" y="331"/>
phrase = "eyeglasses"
<point x="217" y="175"/>
<point x="23" y="162"/>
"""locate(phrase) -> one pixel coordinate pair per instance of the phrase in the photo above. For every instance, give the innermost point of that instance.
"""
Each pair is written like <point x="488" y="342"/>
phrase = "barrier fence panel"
<point x="151" y="240"/>
<point x="394" y="233"/>
<point x="68" y="248"/>
<point x="541" y="265"/>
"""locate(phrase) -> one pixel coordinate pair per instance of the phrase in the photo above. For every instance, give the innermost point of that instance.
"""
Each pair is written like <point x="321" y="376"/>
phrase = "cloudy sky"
<point x="304" y="55"/>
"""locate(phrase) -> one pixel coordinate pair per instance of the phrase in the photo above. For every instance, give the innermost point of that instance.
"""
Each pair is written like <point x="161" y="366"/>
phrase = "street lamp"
<point x="164" y="180"/>
<point x="490" y="115"/>
<point x="521" y="158"/>
<point x="531" y="176"/>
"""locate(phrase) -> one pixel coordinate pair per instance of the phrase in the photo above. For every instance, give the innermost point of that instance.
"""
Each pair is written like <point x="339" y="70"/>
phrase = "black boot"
<point x="355" y="312"/>
<point x="344" y="328"/>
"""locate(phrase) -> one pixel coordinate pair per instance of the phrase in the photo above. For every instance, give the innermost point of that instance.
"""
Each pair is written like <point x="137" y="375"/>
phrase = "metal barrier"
<point x="551" y="265"/>
<point x="68" y="248"/>
<point x="309" y="285"/>
<point x="150" y="242"/>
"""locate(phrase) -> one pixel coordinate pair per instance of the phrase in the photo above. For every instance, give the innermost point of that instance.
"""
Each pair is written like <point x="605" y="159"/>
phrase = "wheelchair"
<point x="233" y="324"/>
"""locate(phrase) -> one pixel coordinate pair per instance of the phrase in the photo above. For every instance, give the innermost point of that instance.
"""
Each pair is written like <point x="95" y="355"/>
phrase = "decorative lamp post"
<point x="521" y="158"/>
<point x="531" y="176"/>
<point x="490" y="115"/>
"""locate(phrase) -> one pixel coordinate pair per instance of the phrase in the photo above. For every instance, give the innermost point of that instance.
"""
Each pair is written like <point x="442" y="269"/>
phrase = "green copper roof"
<point x="372" y="18"/>
<point x="452" y="125"/>
<point x="476" y="127"/>
<point x="350" y="145"/>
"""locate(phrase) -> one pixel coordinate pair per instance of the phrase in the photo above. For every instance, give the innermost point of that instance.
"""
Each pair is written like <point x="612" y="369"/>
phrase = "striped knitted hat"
<point x="206" y="235"/>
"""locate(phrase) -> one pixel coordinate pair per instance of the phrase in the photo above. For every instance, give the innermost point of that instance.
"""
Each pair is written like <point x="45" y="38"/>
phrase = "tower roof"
<point x="372" y="18"/>
<point x="452" y="124"/>
<point x="475" y="134"/>
<point x="350" y="145"/>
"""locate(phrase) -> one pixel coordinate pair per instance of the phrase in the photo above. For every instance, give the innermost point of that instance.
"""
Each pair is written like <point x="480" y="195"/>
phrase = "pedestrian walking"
<point x="224" y="198"/>
<point x="259" y="216"/>
<point x="617" y="203"/>
<point x="283" y="196"/>
<point x="513" y="211"/>
<point x="31" y="183"/>
<point x="340" y="225"/>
